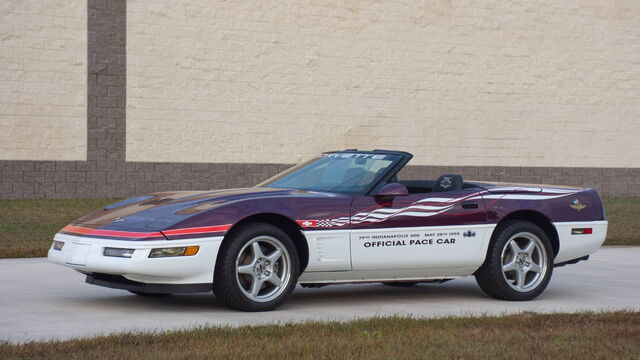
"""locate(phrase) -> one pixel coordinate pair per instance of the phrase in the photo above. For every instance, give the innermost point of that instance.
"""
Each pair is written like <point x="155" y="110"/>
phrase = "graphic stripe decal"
<point x="176" y="233"/>
<point x="198" y="230"/>
<point x="437" y="205"/>
<point x="520" y="196"/>
<point x="111" y="233"/>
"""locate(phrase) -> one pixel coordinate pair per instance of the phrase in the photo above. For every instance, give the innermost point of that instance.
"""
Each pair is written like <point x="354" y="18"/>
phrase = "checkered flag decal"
<point x="329" y="223"/>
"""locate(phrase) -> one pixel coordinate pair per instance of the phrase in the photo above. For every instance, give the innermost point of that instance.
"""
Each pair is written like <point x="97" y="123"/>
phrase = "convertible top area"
<point x="417" y="186"/>
<point x="428" y="186"/>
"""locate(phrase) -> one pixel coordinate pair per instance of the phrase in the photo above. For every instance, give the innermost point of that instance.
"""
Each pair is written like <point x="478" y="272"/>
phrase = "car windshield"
<point x="352" y="173"/>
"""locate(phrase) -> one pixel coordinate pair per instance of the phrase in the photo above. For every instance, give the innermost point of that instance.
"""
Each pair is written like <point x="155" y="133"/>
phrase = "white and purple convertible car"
<point x="342" y="217"/>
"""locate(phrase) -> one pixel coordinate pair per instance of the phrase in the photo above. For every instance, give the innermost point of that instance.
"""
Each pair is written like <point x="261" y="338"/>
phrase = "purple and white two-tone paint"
<point x="341" y="217"/>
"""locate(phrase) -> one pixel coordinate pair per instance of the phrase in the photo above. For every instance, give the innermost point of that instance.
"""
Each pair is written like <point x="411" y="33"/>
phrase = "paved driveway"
<point x="40" y="300"/>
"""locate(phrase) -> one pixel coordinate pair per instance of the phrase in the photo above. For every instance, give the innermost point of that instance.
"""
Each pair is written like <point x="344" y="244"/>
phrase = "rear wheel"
<point x="519" y="262"/>
<point x="257" y="268"/>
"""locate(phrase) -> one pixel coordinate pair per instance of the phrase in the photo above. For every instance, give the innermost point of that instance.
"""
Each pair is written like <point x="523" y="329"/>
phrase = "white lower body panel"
<point x="86" y="255"/>
<point x="335" y="256"/>
<point x="329" y="250"/>
<point x="420" y="248"/>
<point x="413" y="253"/>
<point x="337" y="277"/>
<point x="573" y="246"/>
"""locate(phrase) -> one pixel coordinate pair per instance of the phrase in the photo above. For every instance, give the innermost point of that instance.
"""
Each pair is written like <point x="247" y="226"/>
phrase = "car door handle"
<point x="470" y="204"/>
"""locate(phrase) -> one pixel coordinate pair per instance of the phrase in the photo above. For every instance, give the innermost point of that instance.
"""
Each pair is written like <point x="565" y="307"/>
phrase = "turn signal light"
<point x="581" y="231"/>
<point x="174" y="251"/>
<point x="191" y="250"/>
<point x="57" y="245"/>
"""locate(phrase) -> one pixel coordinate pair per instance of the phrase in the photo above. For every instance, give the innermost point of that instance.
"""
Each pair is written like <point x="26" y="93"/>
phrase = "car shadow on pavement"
<point x="374" y="293"/>
<point x="330" y="296"/>
<point x="176" y="303"/>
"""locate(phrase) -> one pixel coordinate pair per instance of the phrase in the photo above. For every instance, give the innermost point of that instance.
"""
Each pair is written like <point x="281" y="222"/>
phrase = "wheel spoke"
<point x="257" y="251"/>
<point x="515" y="249"/>
<point x="274" y="256"/>
<point x="520" y="276"/>
<point x="245" y="269"/>
<point x="275" y="280"/>
<point x="510" y="266"/>
<point x="530" y="247"/>
<point x="534" y="267"/>
<point x="256" y="286"/>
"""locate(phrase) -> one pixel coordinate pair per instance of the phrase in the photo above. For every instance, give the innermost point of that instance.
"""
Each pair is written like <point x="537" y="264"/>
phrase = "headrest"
<point x="448" y="182"/>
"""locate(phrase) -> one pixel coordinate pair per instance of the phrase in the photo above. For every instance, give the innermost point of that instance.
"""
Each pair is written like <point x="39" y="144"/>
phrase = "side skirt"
<point x="336" y="277"/>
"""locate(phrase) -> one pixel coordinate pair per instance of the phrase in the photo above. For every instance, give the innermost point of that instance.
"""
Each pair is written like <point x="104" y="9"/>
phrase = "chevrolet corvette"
<point x="342" y="217"/>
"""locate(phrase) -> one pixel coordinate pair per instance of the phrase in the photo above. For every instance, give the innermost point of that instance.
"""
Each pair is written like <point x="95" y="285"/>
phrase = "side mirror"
<point x="393" y="189"/>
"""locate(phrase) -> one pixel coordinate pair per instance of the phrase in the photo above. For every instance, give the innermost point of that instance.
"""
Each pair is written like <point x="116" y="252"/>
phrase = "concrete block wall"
<point x="81" y="179"/>
<point x="238" y="91"/>
<point x="43" y="80"/>
<point x="487" y="83"/>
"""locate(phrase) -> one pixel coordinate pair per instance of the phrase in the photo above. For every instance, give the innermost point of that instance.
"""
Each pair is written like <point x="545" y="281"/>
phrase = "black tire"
<point x="144" y="294"/>
<point x="235" y="289"/>
<point x="503" y="284"/>
<point x="401" y="283"/>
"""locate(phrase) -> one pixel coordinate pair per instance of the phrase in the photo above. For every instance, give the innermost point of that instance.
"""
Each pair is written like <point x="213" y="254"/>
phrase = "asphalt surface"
<point x="40" y="300"/>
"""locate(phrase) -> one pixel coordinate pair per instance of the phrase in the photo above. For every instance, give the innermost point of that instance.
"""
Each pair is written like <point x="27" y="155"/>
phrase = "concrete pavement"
<point x="40" y="300"/>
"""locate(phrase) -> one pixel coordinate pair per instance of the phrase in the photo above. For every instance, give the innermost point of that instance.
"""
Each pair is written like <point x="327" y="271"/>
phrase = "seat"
<point x="448" y="182"/>
<point x="418" y="186"/>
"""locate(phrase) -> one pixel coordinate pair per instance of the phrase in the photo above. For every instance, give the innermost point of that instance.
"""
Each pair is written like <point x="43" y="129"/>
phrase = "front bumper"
<point x="86" y="255"/>
<point x="120" y="282"/>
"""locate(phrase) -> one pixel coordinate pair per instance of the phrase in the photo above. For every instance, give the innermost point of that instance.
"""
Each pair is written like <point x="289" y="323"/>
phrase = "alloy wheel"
<point x="263" y="268"/>
<point x="524" y="261"/>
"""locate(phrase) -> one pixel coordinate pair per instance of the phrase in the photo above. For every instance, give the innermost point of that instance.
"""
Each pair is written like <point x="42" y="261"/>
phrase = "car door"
<point x="418" y="231"/>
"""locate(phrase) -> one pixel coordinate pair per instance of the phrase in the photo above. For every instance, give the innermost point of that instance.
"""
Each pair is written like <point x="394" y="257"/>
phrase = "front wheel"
<point x="257" y="268"/>
<point x="519" y="262"/>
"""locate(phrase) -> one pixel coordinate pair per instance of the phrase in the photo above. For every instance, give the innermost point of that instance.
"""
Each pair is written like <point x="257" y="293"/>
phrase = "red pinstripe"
<point x="133" y="234"/>
<point x="198" y="230"/>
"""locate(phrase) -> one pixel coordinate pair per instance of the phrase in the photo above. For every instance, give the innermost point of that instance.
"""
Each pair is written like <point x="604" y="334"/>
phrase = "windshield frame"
<point x="376" y="183"/>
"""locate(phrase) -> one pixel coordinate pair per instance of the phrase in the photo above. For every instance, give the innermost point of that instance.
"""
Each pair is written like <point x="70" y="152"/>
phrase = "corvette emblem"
<point x="577" y="205"/>
<point x="308" y="223"/>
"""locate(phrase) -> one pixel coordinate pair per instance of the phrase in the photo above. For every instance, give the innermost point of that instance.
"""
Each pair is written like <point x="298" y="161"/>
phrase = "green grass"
<point x="27" y="226"/>
<point x="624" y="221"/>
<point x="522" y="336"/>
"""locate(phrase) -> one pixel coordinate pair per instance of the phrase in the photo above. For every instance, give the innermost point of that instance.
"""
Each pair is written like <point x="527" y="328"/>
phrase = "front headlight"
<point x="118" y="252"/>
<point x="174" y="251"/>
<point x="58" y="245"/>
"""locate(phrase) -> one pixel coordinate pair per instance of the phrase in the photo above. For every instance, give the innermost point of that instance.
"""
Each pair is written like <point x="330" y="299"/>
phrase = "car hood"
<point x="160" y="210"/>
